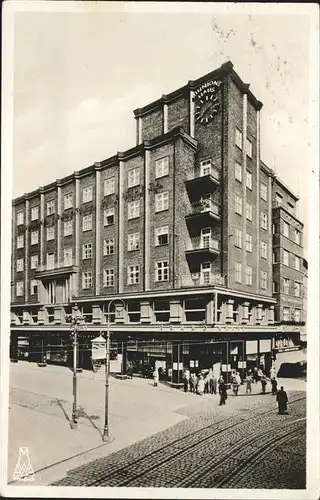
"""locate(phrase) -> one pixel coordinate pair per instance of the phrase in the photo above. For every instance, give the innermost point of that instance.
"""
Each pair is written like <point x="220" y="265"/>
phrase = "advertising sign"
<point x="98" y="348"/>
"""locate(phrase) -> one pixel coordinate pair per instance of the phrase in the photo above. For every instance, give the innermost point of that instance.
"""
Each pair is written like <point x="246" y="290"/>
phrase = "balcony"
<point x="204" y="211"/>
<point x="281" y="204"/>
<point x="202" y="249"/>
<point x="203" y="183"/>
<point x="208" y="279"/>
<point x="56" y="269"/>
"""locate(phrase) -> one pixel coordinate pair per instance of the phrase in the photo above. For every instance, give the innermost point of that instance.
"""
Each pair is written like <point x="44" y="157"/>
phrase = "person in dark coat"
<point x="263" y="384"/>
<point x="223" y="393"/>
<point x="282" y="400"/>
<point x="274" y="386"/>
<point x="213" y="385"/>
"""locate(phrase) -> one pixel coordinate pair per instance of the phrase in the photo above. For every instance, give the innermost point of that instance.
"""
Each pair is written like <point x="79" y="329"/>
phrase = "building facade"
<point x="180" y="228"/>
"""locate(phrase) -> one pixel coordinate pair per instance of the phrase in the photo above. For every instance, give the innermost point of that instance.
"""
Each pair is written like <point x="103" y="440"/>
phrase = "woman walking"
<point x="201" y="385"/>
<point x="223" y="393"/>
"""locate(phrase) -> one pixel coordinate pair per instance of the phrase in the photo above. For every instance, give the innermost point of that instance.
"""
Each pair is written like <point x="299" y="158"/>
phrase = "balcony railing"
<point x="204" y="244"/>
<point x="203" y="182"/>
<point x="205" y="205"/>
<point x="211" y="279"/>
<point x="56" y="265"/>
<point x="278" y="203"/>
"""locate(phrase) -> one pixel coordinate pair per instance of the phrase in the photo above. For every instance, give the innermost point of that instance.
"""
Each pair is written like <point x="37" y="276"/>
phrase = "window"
<point x="238" y="138"/>
<point x="20" y="218"/>
<point x="34" y="261"/>
<point x="263" y="249"/>
<point x="264" y="280"/>
<point x="286" y="285"/>
<point x="19" y="288"/>
<point x="297" y="262"/>
<point x="133" y="241"/>
<point x="195" y="310"/>
<point x="238" y="238"/>
<point x="162" y="167"/>
<point x="34" y="237"/>
<point x="278" y="199"/>
<point x="238" y="206"/>
<point x="205" y="273"/>
<point x="87" y="222"/>
<point x="162" y="201"/>
<point x="50" y="233"/>
<point x="249" y="148"/>
<point x="285" y="257"/>
<point x="162" y="271"/>
<point x="286" y="314"/>
<point x="34" y="287"/>
<point x="67" y="227"/>
<point x="286" y="229"/>
<point x="134" y="312"/>
<point x="249" y="210"/>
<point x="297" y="315"/>
<point x="263" y="220"/>
<point x="249" y="275"/>
<point x="134" y="177"/>
<point x="67" y="256"/>
<point x="133" y="209"/>
<point x="87" y="251"/>
<point x="87" y="280"/>
<point x="263" y="191"/>
<point x="67" y="201"/>
<point x="238" y="171"/>
<point x="108" y="247"/>
<point x="205" y="167"/>
<point x="108" y="277"/>
<point x="20" y="263"/>
<point x="87" y="194"/>
<point x="50" y="260"/>
<point x="248" y="179"/>
<point x="20" y="241"/>
<point x="297" y="289"/>
<point x="109" y="186"/>
<point x="249" y="242"/>
<point x="162" y="235"/>
<point x="34" y="213"/>
<point x="297" y="237"/>
<point x="238" y="272"/>
<point x="162" y="311"/>
<point x="133" y="275"/>
<point x="50" y="207"/>
<point x="108" y="216"/>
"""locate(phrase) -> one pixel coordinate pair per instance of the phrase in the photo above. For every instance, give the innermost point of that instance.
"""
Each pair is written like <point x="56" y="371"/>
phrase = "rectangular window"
<point x="87" y="194"/>
<point x="134" y="312"/>
<point x="20" y="265"/>
<point x="162" y="235"/>
<point x="20" y="241"/>
<point x="195" y="310"/>
<point x="205" y="277"/>
<point x="249" y="210"/>
<point x="20" y="218"/>
<point x="67" y="201"/>
<point x="264" y="280"/>
<point x="285" y="257"/>
<point x="205" y="167"/>
<point x="238" y="272"/>
<point x="50" y="207"/>
<point x="19" y="288"/>
<point x="297" y="315"/>
<point x="34" y="213"/>
<point x="108" y="247"/>
<point x="133" y="209"/>
<point x="238" y="205"/>
<point x="133" y="177"/>
<point x="67" y="256"/>
<point x="263" y="220"/>
<point x="263" y="191"/>
<point x="34" y="287"/>
<point x="238" y="238"/>
<point x="263" y="249"/>
<point x="87" y="280"/>
<point x="34" y="237"/>
<point x="108" y="216"/>
<point x="87" y="222"/>
<point x="248" y="179"/>
<point x="162" y="201"/>
<point x="286" y="285"/>
<point x="297" y="263"/>
<point x="162" y="271"/>
<point x="286" y="229"/>
<point x="34" y="261"/>
<point x="238" y="138"/>
<point x="297" y="289"/>
<point x="249" y="242"/>
<point x="67" y="227"/>
<point x="109" y="186"/>
<point x="249" y="148"/>
<point x="108" y="277"/>
<point x="249" y="275"/>
<point x="50" y="233"/>
<point x="87" y="251"/>
<point x="133" y="276"/>
<point x="286" y="314"/>
<point x="297" y="237"/>
<point x="50" y="260"/>
<point x="162" y="167"/>
<point x="133" y="241"/>
<point x="238" y="171"/>
<point x="162" y="311"/>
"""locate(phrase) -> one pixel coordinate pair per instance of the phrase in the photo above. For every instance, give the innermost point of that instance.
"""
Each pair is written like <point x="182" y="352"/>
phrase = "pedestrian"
<point x="274" y="385"/>
<point x="282" y="400"/>
<point x="223" y="393"/>
<point x="263" y="384"/>
<point x="155" y="378"/>
<point x="201" y="385"/>
<point x="207" y="382"/>
<point x="255" y="374"/>
<point x="248" y="383"/>
<point x="194" y="383"/>
<point x="213" y="385"/>
<point x="185" y="379"/>
<point x="191" y="382"/>
<point x="130" y="371"/>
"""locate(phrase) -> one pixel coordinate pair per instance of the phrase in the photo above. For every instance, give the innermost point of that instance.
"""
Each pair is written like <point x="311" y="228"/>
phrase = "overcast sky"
<point x="78" y="77"/>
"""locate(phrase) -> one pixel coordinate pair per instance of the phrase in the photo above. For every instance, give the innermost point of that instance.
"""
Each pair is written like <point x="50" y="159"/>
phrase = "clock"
<point x="207" y="102"/>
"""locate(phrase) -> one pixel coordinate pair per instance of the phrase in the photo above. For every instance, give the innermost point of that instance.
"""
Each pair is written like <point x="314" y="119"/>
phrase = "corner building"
<point x="180" y="227"/>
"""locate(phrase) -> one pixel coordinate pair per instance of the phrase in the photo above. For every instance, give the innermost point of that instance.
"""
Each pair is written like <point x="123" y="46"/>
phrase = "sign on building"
<point x="98" y="348"/>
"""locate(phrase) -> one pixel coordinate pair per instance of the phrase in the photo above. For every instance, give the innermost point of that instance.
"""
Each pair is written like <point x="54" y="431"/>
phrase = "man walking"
<point x="213" y="385"/>
<point x="263" y="384"/>
<point x="282" y="400"/>
<point x="274" y="386"/>
<point x="223" y="393"/>
<point x="186" y="377"/>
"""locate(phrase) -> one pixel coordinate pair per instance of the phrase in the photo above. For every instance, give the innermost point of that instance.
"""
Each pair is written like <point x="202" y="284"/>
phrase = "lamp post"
<point x="107" y="369"/>
<point x="77" y="324"/>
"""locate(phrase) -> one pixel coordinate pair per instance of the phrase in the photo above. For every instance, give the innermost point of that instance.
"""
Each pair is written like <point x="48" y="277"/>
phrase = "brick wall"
<point x="178" y="113"/>
<point x="152" y="125"/>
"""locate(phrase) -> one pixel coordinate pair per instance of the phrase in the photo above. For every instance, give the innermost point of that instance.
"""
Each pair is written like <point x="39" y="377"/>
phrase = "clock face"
<point x="207" y="102"/>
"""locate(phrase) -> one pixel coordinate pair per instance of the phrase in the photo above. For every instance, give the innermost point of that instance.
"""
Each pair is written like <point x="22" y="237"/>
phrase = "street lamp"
<point x="77" y="324"/>
<point x="107" y="369"/>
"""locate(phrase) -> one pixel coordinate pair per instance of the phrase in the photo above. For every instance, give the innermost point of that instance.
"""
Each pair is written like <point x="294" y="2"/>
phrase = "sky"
<point x="79" y="76"/>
